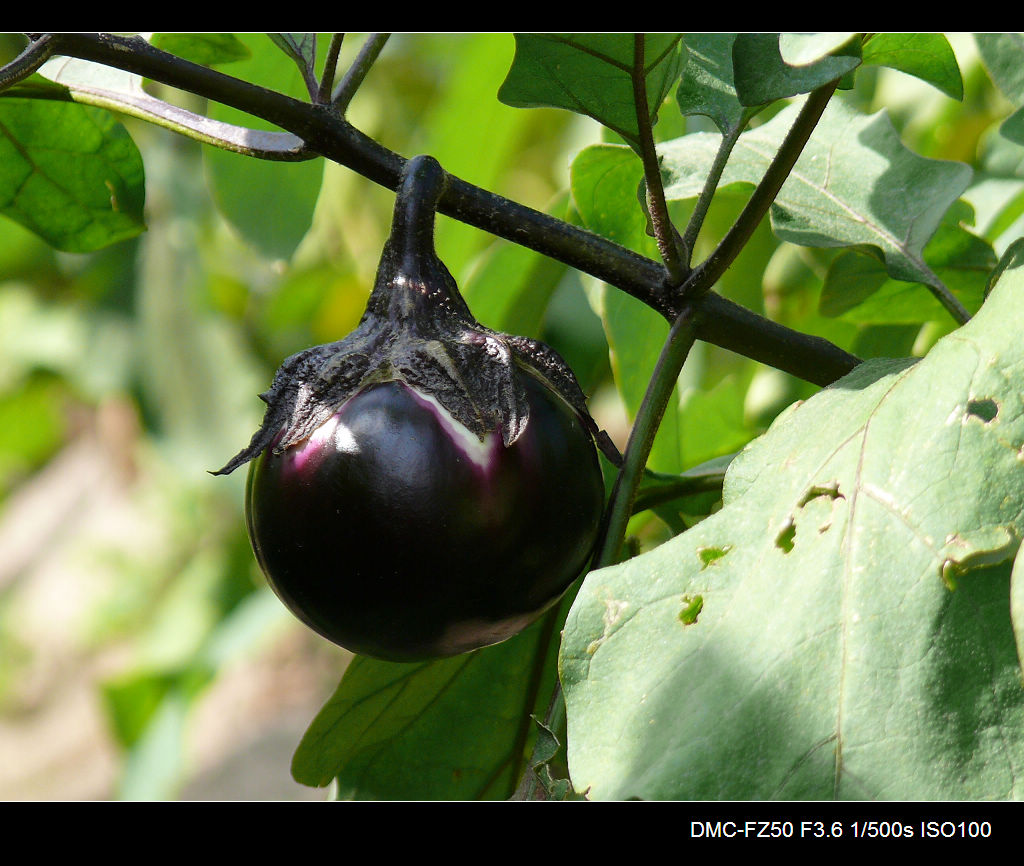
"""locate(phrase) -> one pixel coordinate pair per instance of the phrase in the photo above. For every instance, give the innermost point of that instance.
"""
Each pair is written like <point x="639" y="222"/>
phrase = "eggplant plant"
<point x="789" y="261"/>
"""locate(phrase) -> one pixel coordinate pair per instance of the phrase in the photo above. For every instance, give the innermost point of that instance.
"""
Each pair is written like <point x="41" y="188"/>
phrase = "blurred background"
<point x="141" y="655"/>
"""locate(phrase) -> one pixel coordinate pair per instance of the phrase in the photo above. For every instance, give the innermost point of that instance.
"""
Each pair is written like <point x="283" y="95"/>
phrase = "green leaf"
<point x="453" y="729"/>
<point x="712" y="422"/>
<point x="301" y="48"/>
<point x="927" y="56"/>
<point x="604" y="179"/>
<point x="69" y="173"/>
<point x="855" y="184"/>
<point x="1013" y="127"/>
<point x="270" y="203"/>
<point x="855" y="636"/>
<point x="858" y="287"/>
<point x="472" y="134"/>
<point x="762" y="75"/>
<point x="706" y="84"/>
<point x="592" y="74"/>
<point x="206" y="49"/>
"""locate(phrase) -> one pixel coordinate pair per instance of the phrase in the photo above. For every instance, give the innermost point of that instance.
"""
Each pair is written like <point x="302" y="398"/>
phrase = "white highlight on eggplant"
<point x="333" y="431"/>
<point x="344" y="441"/>
<point x="480" y="453"/>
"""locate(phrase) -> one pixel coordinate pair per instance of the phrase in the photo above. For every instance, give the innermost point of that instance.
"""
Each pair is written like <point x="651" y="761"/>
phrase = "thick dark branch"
<point x="326" y="132"/>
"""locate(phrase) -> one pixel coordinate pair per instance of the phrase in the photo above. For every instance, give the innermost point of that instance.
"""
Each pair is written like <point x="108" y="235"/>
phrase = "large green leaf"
<point x="592" y="74"/>
<point x="855" y="184"/>
<point x="454" y="729"/>
<point x="511" y="286"/>
<point x="69" y="173"/>
<point x="842" y="627"/>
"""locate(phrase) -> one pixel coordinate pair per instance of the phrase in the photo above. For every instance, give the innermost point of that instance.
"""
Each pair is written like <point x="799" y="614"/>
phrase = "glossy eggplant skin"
<point x="395" y="533"/>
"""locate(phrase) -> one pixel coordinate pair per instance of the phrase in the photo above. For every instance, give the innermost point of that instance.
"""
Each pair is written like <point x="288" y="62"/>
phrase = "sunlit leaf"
<point x="858" y="287"/>
<point x="855" y="184"/>
<point x="927" y="56"/>
<point x="854" y="638"/>
<point x="706" y="84"/>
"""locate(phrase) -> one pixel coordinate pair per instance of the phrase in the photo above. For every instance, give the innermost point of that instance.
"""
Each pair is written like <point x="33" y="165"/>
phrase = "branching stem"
<point x="711" y="270"/>
<point x="325" y="131"/>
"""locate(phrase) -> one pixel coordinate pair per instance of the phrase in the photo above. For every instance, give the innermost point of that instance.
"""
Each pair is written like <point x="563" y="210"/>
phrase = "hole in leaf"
<point x="692" y="606"/>
<point x="986" y="409"/>
<point x="784" y="540"/>
<point x="829" y="491"/>
<point x="711" y="555"/>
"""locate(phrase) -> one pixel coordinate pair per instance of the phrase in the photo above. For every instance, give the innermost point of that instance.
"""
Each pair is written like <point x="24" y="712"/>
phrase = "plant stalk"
<point x="641" y="438"/>
<point x="711" y="270"/>
<point x="327" y="133"/>
<point x="358" y="71"/>
<point x="700" y="209"/>
<point x="661" y="223"/>
<point x="323" y="93"/>
<point x="620" y="506"/>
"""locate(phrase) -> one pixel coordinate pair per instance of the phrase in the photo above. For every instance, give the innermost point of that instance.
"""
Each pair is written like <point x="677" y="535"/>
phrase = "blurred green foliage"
<point x="153" y="350"/>
<point x="174" y="333"/>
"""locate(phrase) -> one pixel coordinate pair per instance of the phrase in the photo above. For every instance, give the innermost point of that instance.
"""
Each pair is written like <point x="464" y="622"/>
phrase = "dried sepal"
<point x="417" y="329"/>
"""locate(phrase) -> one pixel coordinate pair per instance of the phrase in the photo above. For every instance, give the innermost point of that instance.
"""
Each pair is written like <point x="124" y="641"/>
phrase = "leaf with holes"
<point x="855" y="636"/>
